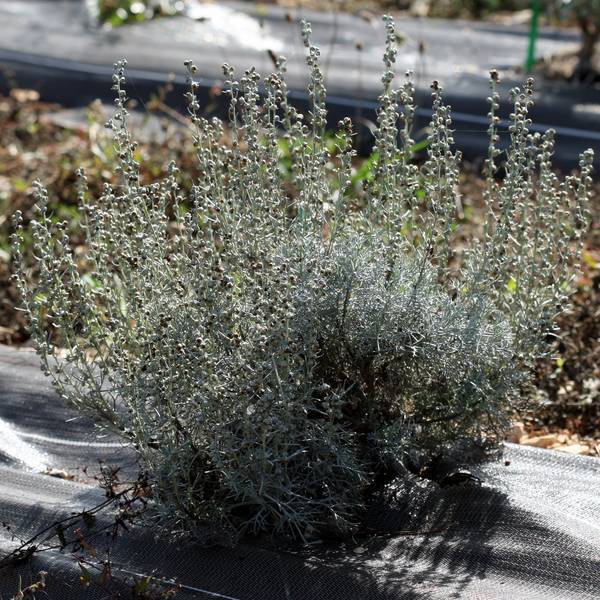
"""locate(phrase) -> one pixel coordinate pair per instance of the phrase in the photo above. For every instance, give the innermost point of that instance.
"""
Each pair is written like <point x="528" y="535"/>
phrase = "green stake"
<point x="533" y="34"/>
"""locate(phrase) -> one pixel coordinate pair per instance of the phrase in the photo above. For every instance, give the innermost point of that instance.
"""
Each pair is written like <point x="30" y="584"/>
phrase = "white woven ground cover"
<point x="530" y="530"/>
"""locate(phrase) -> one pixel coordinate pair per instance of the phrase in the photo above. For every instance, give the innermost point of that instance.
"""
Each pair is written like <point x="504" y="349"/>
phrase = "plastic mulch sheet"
<point x="531" y="529"/>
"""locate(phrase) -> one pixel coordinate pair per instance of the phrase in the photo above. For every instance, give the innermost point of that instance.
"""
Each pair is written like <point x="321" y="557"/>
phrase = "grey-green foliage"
<point x="275" y="357"/>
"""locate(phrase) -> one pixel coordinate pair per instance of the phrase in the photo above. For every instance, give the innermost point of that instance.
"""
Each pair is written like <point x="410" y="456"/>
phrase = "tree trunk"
<point x="590" y="32"/>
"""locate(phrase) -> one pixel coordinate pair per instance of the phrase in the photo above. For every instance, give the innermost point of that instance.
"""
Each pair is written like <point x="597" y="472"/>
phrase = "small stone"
<point x="59" y="474"/>
<point x="517" y="433"/>
<point x="22" y="95"/>
<point x="575" y="449"/>
<point x="540" y="441"/>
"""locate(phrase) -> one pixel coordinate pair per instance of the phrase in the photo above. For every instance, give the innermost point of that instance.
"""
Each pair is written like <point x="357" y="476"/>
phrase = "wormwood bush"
<point x="280" y="346"/>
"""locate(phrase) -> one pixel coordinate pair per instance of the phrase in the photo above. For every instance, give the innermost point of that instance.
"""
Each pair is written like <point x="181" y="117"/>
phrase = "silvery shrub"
<point x="279" y="344"/>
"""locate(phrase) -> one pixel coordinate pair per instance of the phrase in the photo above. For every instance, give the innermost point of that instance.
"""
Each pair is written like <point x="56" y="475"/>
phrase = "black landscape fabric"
<point x="530" y="530"/>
